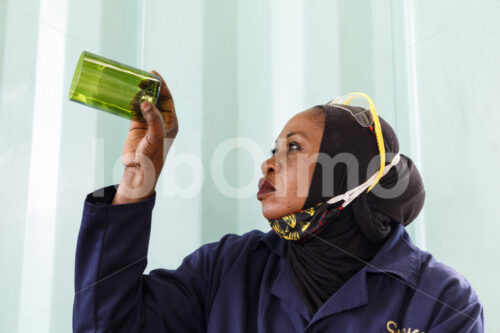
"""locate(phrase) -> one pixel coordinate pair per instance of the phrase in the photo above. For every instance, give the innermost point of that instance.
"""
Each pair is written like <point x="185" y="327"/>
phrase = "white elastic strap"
<point x="355" y="192"/>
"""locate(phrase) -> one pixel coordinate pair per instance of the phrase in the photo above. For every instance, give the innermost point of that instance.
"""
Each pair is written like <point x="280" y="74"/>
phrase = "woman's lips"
<point x="265" y="187"/>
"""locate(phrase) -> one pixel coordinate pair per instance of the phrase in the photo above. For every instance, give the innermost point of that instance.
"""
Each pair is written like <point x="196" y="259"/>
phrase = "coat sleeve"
<point x="111" y="292"/>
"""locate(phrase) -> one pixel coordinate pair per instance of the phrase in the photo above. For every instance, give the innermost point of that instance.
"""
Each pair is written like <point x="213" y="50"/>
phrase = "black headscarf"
<point x="361" y="228"/>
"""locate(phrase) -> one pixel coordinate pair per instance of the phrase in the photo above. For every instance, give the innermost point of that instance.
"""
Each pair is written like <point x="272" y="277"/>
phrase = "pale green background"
<point x="239" y="69"/>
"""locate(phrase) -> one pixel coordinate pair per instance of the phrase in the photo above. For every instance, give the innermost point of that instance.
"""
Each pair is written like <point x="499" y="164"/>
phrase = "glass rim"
<point x="76" y="75"/>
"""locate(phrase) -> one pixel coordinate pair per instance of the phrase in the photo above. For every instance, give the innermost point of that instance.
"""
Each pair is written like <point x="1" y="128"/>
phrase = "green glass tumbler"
<point x="113" y="87"/>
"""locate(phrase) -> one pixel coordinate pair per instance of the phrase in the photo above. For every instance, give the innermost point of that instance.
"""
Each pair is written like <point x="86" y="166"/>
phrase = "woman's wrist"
<point x="134" y="187"/>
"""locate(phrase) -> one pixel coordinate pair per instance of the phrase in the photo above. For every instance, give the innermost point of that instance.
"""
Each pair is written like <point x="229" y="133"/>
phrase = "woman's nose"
<point x="269" y="165"/>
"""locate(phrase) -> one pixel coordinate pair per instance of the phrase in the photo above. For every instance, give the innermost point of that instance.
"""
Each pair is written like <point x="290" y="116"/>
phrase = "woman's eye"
<point x="292" y="146"/>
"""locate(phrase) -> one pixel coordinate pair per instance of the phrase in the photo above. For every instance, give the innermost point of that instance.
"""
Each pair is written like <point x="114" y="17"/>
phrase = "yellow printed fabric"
<point x="304" y="224"/>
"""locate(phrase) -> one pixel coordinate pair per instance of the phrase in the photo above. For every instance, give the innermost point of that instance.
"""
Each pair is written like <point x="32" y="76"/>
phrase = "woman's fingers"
<point x="164" y="89"/>
<point x="165" y="101"/>
<point x="166" y="105"/>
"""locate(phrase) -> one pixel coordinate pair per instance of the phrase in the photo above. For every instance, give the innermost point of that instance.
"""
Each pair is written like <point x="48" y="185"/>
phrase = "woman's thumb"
<point x="154" y="121"/>
<point x="146" y="108"/>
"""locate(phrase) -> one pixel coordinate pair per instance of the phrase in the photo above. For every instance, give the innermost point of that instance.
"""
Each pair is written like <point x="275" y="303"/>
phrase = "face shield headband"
<point x="367" y="118"/>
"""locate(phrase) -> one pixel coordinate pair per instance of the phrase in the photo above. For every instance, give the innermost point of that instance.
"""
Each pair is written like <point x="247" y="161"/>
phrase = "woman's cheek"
<point x="297" y="180"/>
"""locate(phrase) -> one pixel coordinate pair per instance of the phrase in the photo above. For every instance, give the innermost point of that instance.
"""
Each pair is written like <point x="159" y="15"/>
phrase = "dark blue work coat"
<point x="243" y="284"/>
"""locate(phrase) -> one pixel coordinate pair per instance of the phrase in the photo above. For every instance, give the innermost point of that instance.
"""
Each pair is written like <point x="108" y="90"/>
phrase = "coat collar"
<point x="397" y="256"/>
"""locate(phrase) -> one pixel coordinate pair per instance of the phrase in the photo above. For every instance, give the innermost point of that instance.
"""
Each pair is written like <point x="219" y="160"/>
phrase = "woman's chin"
<point x="272" y="213"/>
<point x="271" y="217"/>
<point x="274" y="207"/>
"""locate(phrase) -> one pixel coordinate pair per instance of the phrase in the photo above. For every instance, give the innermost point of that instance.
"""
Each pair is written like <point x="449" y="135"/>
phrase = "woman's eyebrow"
<point x="294" y="133"/>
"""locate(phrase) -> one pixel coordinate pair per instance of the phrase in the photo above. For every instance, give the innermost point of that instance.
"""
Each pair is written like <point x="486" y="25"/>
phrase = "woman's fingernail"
<point x="146" y="106"/>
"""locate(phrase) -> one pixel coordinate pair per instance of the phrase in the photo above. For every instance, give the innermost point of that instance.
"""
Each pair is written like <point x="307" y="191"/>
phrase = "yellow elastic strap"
<point x="378" y="134"/>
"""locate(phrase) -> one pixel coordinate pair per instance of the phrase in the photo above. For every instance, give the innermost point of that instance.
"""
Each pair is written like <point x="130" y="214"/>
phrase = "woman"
<point x="336" y="260"/>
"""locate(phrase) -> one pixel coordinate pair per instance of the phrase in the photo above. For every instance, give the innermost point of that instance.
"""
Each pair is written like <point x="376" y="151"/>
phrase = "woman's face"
<point x="291" y="166"/>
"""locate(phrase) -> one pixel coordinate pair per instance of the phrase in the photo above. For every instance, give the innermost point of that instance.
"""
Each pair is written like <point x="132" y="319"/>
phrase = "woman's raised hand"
<point x="146" y="148"/>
